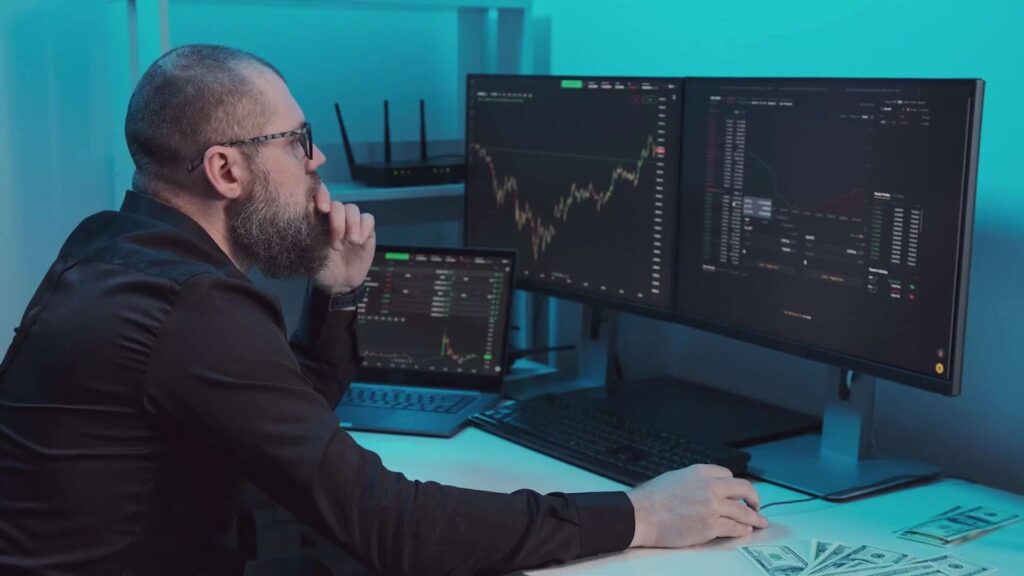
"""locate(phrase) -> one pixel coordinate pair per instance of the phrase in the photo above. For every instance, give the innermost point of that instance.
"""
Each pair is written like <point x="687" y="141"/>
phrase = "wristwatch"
<point x="349" y="299"/>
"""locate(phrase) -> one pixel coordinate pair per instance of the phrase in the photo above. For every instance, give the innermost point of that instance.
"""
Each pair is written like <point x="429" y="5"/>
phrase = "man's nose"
<point x="318" y="158"/>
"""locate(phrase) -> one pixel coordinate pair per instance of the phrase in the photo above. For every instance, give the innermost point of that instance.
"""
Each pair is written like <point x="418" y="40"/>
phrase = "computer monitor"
<point x="579" y="175"/>
<point x="828" y="218"/>
<point x="832" y="218"/>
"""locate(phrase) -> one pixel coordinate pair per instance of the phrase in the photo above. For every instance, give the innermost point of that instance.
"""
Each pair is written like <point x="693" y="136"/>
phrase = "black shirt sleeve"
<point x="324" y="345"/>
<point x="223" y="371"/>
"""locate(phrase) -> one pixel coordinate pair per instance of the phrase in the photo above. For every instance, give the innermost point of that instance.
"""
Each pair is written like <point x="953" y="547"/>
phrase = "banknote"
<point x="962" y="524"/>
<point x="913" y="569"/>
<point x="829" y="558"/>
<point x="906" y="569"/>
<point x="856" y="557"/>
<point x="826" y="556"/>
<point x="775" y="560"/>
<point x="818" y="549"/>
<point x="953" y="566"/>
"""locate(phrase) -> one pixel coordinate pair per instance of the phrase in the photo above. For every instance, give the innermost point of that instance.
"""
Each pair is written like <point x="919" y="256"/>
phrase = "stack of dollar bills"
<point x="839" y="559"/>
<point x="957" y="525"/>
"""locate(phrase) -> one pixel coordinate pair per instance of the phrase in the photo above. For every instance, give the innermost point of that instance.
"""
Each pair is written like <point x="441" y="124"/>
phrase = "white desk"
<point x="476" y="459"/>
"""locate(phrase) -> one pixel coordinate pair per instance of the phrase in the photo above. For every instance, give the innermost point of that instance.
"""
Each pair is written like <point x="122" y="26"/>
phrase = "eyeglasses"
<point x="306" y="132"/>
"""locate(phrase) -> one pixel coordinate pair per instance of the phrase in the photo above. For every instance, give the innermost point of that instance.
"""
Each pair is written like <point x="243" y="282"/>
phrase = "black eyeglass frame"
<point x="307" y="143"/>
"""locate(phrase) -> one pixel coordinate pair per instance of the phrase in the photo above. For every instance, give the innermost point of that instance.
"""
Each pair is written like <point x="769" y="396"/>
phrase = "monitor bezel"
<point x="949" y="385"/>
<point x="483" y="382"/>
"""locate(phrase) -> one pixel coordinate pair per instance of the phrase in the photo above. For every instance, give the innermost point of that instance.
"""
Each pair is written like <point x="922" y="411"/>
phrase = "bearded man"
<point x="149" y="376"/>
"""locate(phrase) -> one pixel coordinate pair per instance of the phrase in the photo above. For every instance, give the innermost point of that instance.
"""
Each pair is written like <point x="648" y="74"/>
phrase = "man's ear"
<point x="226" y="169"/>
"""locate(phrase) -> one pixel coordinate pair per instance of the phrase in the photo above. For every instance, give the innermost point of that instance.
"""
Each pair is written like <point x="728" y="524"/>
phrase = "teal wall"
<point x="56" y="124"/>
<point x="980" y="433"/>
<point x="356" y="55"/>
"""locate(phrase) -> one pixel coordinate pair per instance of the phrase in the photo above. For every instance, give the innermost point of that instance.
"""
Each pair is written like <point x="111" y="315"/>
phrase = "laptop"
<point x="432" y="333"/>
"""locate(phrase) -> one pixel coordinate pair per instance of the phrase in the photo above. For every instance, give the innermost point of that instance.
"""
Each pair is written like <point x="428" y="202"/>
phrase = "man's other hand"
<point x="692" y="506"/>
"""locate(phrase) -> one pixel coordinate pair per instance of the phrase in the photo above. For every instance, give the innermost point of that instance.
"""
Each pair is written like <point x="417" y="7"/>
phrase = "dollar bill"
<point x="818" y="549"/>
<point x="868" y="570"/>
<point x="954" y="527"/>
<point x="953" y="566"/>
<point x="945" y="565"/>
<point x="948" y="512"/>
<point x="775" y="560"/>
<point x="838" y="559"/>
<point x="831" y="554"/>
<point x="862" y="556"/>
<point x="914" y="569"/>
<point x="926" y="540"/>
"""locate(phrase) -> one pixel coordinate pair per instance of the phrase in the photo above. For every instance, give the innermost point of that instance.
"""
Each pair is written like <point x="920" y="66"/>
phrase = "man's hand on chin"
<point x="353" y="242"/>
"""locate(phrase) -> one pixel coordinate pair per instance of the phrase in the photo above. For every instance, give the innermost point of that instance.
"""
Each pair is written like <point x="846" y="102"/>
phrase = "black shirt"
<point x="149" y="376"/>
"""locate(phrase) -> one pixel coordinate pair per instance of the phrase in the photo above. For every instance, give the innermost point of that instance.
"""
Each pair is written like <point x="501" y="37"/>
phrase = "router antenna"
<point x="348" y="145"/>
<point x="387" y="134"/>
<point x="423" y="132"/>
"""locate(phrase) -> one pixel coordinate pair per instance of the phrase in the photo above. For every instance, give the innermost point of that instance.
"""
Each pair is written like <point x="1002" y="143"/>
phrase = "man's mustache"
<point x="315" y="185"/>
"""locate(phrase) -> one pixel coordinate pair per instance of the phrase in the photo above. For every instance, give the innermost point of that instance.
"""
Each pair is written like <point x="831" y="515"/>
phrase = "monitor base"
<point x="800" y="463"/>
<point x="837" y="465"/>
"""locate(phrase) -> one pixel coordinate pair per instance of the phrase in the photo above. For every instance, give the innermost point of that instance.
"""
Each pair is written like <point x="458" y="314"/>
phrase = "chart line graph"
<point x="542" y="230"/>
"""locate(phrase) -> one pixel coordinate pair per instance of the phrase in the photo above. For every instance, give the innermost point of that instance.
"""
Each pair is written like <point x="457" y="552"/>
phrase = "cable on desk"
<point x="784" y="502"/>
<point x="828" y="497"/>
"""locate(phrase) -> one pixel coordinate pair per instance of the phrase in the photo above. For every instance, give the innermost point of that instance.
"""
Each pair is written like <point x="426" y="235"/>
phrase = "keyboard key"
<point x="406" y="400"/>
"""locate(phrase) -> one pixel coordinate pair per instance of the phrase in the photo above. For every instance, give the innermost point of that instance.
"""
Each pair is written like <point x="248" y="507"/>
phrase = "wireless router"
<point x="390" y="173"/>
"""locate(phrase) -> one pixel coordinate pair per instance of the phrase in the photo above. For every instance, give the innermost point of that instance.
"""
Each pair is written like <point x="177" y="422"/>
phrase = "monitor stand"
<point x="836" y="464"/>
<point x="676" y="406"/>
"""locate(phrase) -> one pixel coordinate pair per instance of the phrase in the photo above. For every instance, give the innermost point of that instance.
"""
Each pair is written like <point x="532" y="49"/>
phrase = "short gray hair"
<point x="191" y="98"/>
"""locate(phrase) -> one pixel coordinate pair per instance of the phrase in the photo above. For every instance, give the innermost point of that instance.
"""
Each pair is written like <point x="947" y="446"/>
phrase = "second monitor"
<point x="832" y="216"/>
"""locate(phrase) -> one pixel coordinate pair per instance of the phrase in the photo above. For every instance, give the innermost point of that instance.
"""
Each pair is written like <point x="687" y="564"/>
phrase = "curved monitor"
<point x="828" y="218"/>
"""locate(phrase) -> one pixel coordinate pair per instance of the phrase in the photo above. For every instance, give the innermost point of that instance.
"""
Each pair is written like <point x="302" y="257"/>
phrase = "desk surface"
<point x="476" y="459"/>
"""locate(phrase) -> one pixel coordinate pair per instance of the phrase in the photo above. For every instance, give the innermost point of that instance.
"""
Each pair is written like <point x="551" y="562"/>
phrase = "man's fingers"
<point x="740" y="512"/>
<point x="726" y="528"/>
<point x="368" y="225"/>
<point x="353" y="224"/>
<point x="738" y="489"/>
<point x="338" y="224"/>
<point x="348" y="224"/>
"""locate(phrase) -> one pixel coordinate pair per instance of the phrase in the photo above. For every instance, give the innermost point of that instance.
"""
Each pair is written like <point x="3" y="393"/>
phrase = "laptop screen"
<point x="436" y="317"/>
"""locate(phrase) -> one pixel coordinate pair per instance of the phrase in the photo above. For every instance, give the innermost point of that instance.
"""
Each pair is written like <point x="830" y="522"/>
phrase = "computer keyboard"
<point x="425" y="401"/>
<point x="601" y="441"/>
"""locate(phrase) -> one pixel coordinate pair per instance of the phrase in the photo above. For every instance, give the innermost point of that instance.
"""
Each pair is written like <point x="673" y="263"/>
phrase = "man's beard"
<point x="282" y="241"/>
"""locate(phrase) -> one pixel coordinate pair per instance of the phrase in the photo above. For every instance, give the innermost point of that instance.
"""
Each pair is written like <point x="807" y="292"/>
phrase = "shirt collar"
<point x="145" y="205"/>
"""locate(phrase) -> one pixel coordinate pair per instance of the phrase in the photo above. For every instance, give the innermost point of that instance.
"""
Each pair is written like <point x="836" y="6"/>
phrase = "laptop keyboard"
<point x="425" y="401"/>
